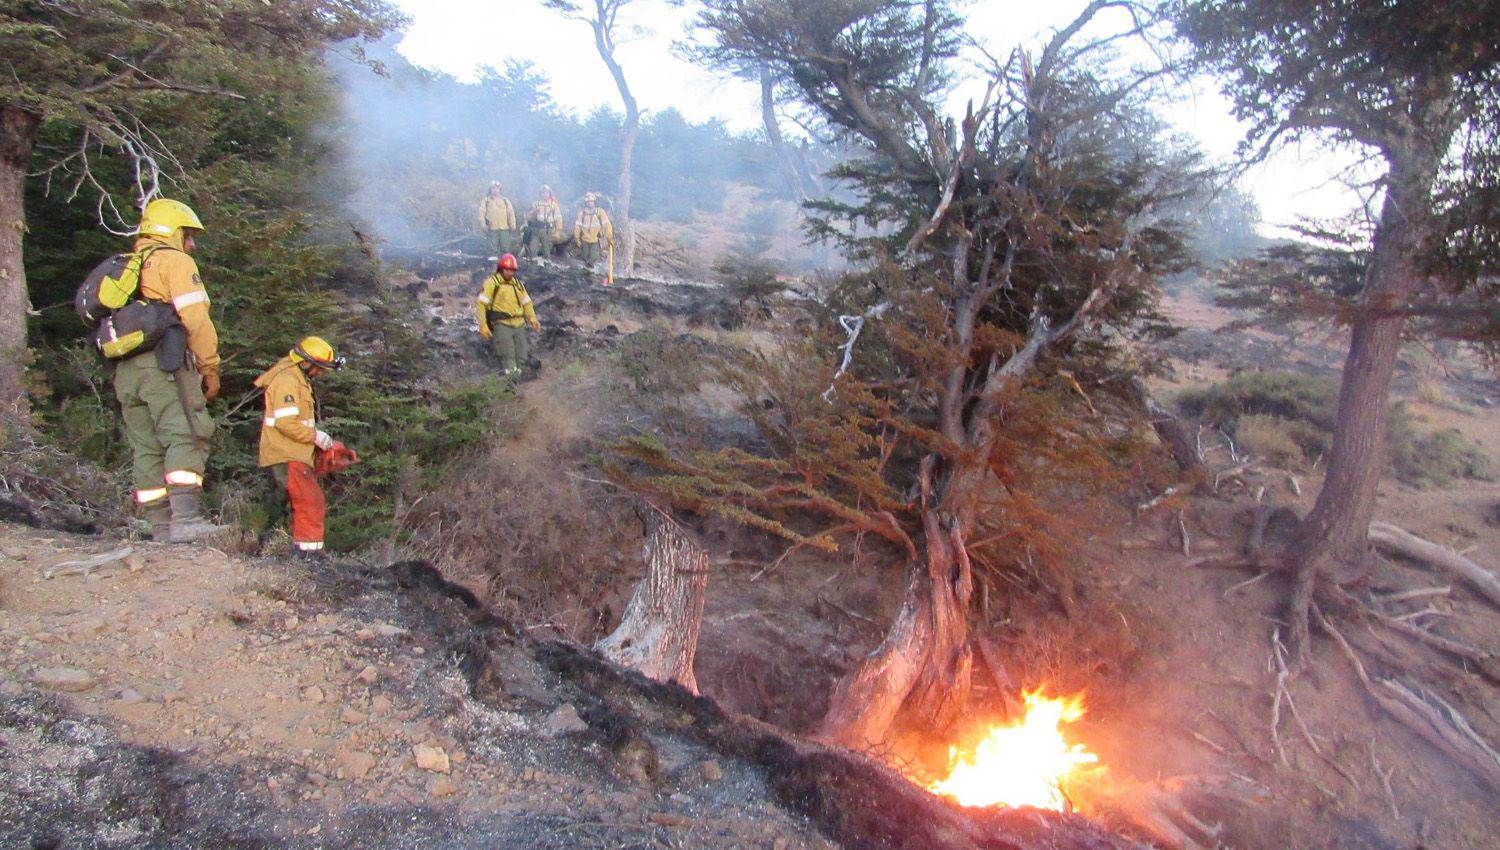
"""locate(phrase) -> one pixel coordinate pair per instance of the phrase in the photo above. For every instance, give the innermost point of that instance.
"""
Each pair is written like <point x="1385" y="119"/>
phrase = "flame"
<point x="1023" y="764"/>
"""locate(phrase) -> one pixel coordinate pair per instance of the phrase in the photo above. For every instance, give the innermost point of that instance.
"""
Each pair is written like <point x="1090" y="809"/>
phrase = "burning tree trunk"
<point x="18" y="130"/>
<point x="659" y="633"/>
<point x="924" y="664"/>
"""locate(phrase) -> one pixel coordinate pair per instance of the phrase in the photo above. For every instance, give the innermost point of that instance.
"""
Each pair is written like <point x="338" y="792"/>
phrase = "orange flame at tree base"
<point x="1022" y="764"/>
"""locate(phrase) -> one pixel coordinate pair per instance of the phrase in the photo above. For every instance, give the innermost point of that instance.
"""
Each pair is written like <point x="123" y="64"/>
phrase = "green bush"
<point x="1307" y="406"/>
<point x="1264" y="410"/>
<point x="1437" y="459"/>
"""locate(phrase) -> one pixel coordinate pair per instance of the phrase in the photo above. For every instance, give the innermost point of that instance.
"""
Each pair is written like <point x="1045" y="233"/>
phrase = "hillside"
<point x="185" y="698"/>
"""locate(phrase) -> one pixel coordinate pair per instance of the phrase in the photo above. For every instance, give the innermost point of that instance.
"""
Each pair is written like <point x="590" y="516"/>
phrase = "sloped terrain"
<point x="187" y="698"/>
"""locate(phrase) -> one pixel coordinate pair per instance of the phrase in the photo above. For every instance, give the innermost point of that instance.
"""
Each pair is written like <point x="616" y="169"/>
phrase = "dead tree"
<point x="604" y="19"/>
<point x="659" y="633"/>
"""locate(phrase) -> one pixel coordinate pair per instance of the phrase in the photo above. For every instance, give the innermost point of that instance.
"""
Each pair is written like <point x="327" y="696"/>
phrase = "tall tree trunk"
<point x="1336" y="531"/>
<point x="772" y="128"/>
<point x="658" y="635"/>
<point x="624" y="229"/>
<point x="18" y="129"/>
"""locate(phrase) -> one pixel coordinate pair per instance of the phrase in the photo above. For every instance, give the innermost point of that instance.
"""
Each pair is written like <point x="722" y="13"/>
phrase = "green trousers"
<point x="502" y="241"/>
<point x="166" y="424"/>
<point x="589" y="252"/>
<point x="539" y="241"/>
<point x="509" y="344"/>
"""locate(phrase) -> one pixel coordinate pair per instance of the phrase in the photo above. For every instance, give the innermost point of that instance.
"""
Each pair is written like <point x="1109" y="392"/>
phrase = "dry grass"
<point x="1269" y="439"/>
<point x="526" y="526"/>
<point x="1430" y="391"/>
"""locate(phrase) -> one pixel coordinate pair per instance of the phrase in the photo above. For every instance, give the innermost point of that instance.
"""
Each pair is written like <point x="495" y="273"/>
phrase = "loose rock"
<point x="441" y="786"/>
<point x="431" y="758"/>
<point x="313" y="694"/>
<point x="711" y="771"/>
<point x="368" y="675"/>
<point x="563" y="720"/>
<point x="355" y="763"/>
<point x="64" y="678"/>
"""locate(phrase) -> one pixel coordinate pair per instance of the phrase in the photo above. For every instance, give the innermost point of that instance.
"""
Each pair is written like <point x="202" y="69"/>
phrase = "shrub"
<point x="1306" y="406"/>
<point x="1437" y="459"/>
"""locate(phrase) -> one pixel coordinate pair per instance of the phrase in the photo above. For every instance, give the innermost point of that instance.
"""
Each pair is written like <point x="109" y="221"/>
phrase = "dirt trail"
<point x="327" y="702"/>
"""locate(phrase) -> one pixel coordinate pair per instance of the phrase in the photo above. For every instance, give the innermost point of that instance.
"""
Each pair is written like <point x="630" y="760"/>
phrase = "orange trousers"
<point x="308" y="506"/>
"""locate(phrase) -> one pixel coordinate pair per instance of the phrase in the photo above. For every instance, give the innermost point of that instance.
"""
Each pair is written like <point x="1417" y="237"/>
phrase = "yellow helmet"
<point x="589" y="196"/>
<point x="318" y="352"/>
<point x="162" y="217"/>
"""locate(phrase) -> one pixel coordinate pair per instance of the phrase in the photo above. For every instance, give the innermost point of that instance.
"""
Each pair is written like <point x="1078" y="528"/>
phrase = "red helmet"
<point x="507" y="262"/>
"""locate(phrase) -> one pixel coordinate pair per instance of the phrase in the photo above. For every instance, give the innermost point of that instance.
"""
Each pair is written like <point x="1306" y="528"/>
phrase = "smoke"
<point x="422" y="147"/>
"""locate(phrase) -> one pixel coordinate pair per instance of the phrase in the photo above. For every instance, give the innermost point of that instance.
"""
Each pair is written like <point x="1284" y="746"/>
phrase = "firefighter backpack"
<point x="108" y="304"/>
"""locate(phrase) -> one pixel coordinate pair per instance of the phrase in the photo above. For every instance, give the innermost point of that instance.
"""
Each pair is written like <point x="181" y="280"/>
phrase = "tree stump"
<point x="658" y="634"/>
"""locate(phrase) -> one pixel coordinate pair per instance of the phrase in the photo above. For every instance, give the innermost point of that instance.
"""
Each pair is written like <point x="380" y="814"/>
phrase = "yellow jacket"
<point x="290" y="429"/>
<point x="496" y="214"/>
<point x="588" y="226"/>
<point x="547" y="212"/>
<point x="170" y="274"/>
<point x="503" y="301"/>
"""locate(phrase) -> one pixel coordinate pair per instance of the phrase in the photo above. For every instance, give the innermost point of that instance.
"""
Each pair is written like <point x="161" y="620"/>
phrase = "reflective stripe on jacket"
<point x="290" y="423"/>
<point x="497" y="214"/>
<point x="508" y="299"/>
<point x="590" y="225"/>
<point x="172" y="276"/>
<point x="549" y="213"/>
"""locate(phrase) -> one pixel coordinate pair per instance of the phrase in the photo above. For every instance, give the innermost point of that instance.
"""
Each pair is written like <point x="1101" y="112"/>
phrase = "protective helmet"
<point x="162" y="217"/>
<point x="507" y="261"/>
<point x="494" y="184"/>
<point x="547" y="190"/>
<point x="318" y="352"/>
<point x="589" y="196"/>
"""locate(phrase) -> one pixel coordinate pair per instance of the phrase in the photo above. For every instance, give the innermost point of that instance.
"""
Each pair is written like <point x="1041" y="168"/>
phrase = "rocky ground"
<point x="180" y="697"/>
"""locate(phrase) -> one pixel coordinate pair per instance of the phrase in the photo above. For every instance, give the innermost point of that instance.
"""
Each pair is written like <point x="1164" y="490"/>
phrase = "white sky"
<point x="460" y="36"/>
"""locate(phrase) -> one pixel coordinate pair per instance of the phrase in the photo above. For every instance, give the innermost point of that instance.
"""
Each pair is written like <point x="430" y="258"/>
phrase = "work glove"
<point x="210" y="382"/>
<point x="484" y="332"/>
<point x="536" y="325"/>
<point x="322" y="440"/>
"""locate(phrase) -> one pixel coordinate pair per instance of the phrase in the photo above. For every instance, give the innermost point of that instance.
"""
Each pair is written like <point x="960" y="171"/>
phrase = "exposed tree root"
<point x="1408" y="545"/>
<point x="1424" y="713"/>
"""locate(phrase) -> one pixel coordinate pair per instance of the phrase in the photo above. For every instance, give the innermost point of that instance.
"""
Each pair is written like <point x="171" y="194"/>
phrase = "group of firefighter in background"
<point x="149" y="312"/>
<point x="542" y="231"/>
<point x="503" y="309"/>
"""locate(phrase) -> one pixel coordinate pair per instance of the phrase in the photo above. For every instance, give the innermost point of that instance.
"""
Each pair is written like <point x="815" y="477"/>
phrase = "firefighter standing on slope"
<point x="544" y="223"/>
<point x="497" y="218"/>
<point x="164" y="404"/>
<point x="289" y="435"/>
<point x="590" y="227"/>
<point x="502" y="309"/>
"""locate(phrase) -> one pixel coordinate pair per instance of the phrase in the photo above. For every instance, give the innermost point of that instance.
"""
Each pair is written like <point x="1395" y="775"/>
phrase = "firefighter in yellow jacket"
<point x="290" y="437"/>
<point x="497" y="218"/>
<point x="163" y="404"/>
<point x="502" y="309"/>
<point x="592" y="230"/>
<point x="544" y="224"/>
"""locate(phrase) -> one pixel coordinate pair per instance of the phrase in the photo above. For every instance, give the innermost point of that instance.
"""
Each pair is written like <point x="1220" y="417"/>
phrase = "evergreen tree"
<point x="1010" y="235"/>
<point x="94" y="66"/>
<point x="1415" y="85"/>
